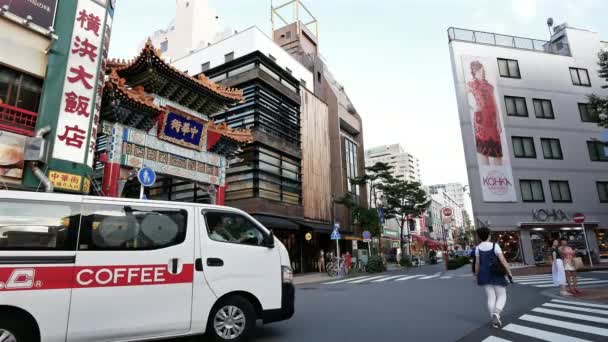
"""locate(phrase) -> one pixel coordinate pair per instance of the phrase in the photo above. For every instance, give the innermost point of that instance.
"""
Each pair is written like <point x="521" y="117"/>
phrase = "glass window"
<point x="241" y="70"/>
<point x="228" y="57"/>
<point x="516" y="106"/>
<point x="131" y="228"/>
<point x="531" y="190"/>
<point x="508" y="68"/>
<point x="588" y="113"/>
<point x="31" y="225"/>
<point x="19" y="90"/>
<point x="164" y="46"/>
<point x="523" y="147"/>
<point x="602" y="191"/>
<point x="543" y="109"/>
<point x="552" y="148"/>
<point x="205" y="66"/>
<point x="233" y="228"/>
<point x="580" y="77"/>
<point x="269" y="72"/>
<point x="560" y="191"/>
<point x="597" y="150"/>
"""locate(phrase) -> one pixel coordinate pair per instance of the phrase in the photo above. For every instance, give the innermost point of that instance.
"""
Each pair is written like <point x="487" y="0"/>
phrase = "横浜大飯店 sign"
<point x="182" y="129"/>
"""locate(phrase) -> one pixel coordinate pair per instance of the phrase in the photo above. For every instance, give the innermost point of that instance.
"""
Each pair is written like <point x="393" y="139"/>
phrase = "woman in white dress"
<point x="559" y="275"/>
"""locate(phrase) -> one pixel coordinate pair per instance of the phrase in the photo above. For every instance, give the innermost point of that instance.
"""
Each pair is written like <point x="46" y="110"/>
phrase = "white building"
<point x="530" y="139"/>
<point x="455" y="190"/>
<point x="405" y="165"/>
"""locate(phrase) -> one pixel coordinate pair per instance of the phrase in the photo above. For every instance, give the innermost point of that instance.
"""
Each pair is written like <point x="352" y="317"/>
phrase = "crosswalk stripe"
<point x="385" y="279"/>
<point x="580" y="303"/>
<point x="366" y="279"/>
<point x="541" y="334"/>
<point x="576" y="308"/>
<point x="588" y="282"/>
<point x="344" y="280"/>
<point x="446" y="277"/>
<point x="409" y="277"/>
<point x="431" y="276"/>
<point x="495" y="339"/>
<point x="534" y="282"/>
<point x="533" y="276"/>
<point x="572" y="315"/>
<point x="566" y="325"/>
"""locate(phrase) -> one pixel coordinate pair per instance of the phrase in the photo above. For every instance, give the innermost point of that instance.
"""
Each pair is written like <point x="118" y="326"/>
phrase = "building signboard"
<point x="65" y="181"/>
<point x="42" y="12"/>
<point x="550" y="215"/>
<point x="77" y="109"/>
<point x="182" y="129"/>
<point x="11" y="157"/>
<point x="480" y="74"/>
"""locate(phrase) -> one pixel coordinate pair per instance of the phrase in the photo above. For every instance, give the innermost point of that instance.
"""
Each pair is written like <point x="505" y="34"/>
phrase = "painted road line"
<point x="535" y="276"/>
<point x="587" y="282"/>
<point x="495" y="339"/>
<point x="535" y="282"/>
<point x="431" y="276"/>
<point x="409" y="277"/>
<point x="565" y="325"/>
<point x="540" y="334"/>
<point x="445" y="277"/>
<point x="344" y="280"/>
<point x="576" y="308"/>
<point x="594" y="319"/>
<point x="603" y="306"/>
<point x="364" y="280"/>
<point x="385" y="279"/>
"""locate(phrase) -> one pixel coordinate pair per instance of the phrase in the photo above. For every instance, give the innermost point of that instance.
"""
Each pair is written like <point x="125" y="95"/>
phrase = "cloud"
<point x="524" y="9"/>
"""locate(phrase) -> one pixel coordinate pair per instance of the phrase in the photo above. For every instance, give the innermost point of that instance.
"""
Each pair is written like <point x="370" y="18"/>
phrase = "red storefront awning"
<point x="428" y="241"/>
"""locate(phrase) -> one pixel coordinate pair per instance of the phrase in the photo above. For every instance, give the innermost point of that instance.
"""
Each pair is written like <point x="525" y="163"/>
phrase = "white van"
<point x="79" y="268"/>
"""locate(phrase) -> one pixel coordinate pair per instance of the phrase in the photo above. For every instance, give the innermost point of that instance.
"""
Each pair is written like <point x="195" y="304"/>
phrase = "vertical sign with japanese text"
<point x="79" y="88"/>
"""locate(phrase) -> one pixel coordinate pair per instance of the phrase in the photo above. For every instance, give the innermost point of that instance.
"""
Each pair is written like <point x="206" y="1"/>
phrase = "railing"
<point x="480" y="37"/>
<point x="17" y="120"/>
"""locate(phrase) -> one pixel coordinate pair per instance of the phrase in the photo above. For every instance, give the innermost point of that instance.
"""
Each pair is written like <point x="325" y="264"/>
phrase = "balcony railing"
<point x="480" y="37"/>
<point x="17" y="120"/>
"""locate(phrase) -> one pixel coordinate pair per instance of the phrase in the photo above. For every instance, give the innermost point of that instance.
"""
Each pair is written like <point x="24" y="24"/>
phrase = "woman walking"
<point x="491" y="267"/>
<point x="559" y="275"/>
<point x="568" y="256"/>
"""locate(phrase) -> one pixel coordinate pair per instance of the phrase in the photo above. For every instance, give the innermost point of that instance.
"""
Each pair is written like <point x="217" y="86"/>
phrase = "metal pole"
<point x="587" y="244"/>
<point x="141" y="192"/>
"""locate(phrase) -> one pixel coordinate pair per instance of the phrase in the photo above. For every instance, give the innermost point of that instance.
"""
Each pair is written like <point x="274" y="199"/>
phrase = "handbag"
<point x="578" y="263"/>
<point x="496" y="266"/>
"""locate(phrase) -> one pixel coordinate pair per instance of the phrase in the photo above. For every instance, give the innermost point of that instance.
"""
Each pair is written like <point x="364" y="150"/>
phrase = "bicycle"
<point x="335" y="267"/>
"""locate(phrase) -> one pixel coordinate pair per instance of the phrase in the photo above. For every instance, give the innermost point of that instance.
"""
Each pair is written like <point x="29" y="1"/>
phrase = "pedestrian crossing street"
<point x="557" y="321"/>
<point x="388" y="278"/>
<point x="546" y="280"/>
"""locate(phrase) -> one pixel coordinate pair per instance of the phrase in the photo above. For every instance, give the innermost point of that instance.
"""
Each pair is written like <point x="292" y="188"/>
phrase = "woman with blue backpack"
<point x="491" y="270"/>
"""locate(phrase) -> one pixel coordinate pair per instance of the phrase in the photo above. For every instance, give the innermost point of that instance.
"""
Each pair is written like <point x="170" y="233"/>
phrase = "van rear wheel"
<point x="16" y="329"/>
<point x="232" y="319"/>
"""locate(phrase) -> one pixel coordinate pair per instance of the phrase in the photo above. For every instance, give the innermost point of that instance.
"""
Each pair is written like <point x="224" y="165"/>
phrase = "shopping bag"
<point x="578" y="263"/>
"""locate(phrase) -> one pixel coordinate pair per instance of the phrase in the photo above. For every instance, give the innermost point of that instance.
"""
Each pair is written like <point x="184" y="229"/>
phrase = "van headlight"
<point x="287" y="273"/>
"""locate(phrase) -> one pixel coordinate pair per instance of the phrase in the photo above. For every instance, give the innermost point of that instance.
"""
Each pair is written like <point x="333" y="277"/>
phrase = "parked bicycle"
<point x="336" y="267"/>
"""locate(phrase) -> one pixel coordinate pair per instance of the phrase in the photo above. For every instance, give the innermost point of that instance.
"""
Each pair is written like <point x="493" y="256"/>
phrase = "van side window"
<point x="233" y="228"/>
<point x="32" y="225"/>
<point x="131" y="228"/>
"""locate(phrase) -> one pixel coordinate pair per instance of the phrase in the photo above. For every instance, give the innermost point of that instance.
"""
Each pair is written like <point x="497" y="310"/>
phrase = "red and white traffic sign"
<point x="578" y="218"/>
<point x="447" y="212"/>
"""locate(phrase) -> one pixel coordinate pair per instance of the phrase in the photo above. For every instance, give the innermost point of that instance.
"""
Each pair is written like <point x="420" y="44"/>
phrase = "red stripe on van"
<point x="65" y="277"/>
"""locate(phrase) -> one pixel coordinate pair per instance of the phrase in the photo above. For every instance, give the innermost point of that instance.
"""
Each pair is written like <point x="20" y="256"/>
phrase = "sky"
<point x="391" y="56"/>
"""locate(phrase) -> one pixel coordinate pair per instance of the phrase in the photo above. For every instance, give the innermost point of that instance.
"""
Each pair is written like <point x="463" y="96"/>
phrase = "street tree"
<point x="365" y="218"/>
<point x="597" y="102"/>
<point x="375" y="177"/>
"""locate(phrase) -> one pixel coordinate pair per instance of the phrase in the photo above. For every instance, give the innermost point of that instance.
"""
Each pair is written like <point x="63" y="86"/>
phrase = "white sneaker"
<point x="496" y="322"/>
<point x="565" y="293"/>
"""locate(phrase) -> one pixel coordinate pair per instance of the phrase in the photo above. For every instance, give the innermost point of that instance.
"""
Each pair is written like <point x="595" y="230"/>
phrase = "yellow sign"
<point x="87" y="186"/>
<point x="66" y="181"/>
<point x="308" y="236"/>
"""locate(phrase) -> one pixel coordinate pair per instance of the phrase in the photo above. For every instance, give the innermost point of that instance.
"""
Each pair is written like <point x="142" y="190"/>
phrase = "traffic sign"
<point x="146" y="176"/>
<point x="367" y="236"/>
<point x="335" y="235"/>
<point x="578" y="218"/>
<point x="447" y="212"/>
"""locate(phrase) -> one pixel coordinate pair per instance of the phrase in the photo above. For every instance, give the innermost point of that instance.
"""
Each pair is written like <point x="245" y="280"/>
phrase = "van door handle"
<point x="215" y="262"/>
<point x="174" y="264"/>
<point x="198" y="264"/>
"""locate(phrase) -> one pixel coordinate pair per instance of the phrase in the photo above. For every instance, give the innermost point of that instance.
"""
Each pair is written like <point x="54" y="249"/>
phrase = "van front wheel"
<point x="14" y="329"/>
<point x="233" y="319"/>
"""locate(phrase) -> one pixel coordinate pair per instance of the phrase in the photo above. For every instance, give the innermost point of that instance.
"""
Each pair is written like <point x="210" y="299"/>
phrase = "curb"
<point x="554" y="293"/>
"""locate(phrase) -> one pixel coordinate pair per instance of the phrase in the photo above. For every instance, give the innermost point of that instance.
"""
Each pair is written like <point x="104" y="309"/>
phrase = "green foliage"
<point x="375" y="264"/>
<point x="405" y="261"/>
<point x="368" y="219"/>
<point x="458" y="262"/>
<point x="404" y="198"/>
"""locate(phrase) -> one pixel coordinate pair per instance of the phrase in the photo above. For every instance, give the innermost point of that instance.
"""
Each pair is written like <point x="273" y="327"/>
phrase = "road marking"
<point x="541" y="334"/>
<point x="572" y="315"/>
<point x="431" y="276"/>
<point x="446" y="277"/>
<point x="385" y="279"/>
<point x="409" y="277"/>
<point x="533" y="276"/>
<point x="580" y="303"/>
<point x="576" y="308"/>
<point x="495" y="339"/>
<point x="535" y="282"/>
<point x="344" y="280"/>
<point x="566" y="325"/>
<point x="599" y="271"/>
<point x="587" y="282"/>
<point x="366" y="279"/>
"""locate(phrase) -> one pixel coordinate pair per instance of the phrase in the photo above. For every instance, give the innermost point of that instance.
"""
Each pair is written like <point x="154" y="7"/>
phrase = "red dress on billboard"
<point x="487" y="137"/>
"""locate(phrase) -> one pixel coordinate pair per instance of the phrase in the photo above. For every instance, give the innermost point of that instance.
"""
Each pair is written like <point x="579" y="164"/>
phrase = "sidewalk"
<point x="590" y="294"/>
<point x="536" y="270"/>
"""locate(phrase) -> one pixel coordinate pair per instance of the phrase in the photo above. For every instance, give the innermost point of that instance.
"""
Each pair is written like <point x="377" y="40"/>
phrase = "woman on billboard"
<point x="487" y="123"/>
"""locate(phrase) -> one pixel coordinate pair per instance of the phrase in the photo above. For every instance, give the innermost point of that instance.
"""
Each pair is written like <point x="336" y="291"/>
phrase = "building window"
<point x="233" y="228"/>
<point x="580" y="77"/>
<point x="164" y="45"/>
<point x="552" y="149"/>
<point x="508" y="68"/>
<point x="588" y="113"/>
<point x="602" y="191"/>
<point x="19" y="90"/>
<point x="318" y="76"/>
<point x="543" y="109"/>
<point x="350" y="153"/>
<point x="598" y="150"/>
<point x="302" y="82"/>
<point x="523" y="147"/>
<point x="205" y="66"/>
<point x="228" y="57"/>
<point x="531" y="190"/>
<point x="560" y="191"/>
<point x="516" y="106"/>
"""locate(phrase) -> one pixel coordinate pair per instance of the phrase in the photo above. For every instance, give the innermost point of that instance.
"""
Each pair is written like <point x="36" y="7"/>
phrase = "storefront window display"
<point x="602" y="243"/>
<point x="542" y="239"/>
<point x="510" y="244"/>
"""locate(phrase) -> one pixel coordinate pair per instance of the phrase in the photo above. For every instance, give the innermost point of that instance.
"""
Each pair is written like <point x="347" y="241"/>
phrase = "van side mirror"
<point x="269" y="240"/>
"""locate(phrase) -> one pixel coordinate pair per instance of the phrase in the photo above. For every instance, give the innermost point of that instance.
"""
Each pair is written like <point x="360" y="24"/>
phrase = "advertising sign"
<point x="65" y="181"/>
<point x="182" y="129"/>
<point x="11" y="157"/>
<point x="480" y="75"/>
<point x="42" y="12"/>
<point x="80" y="84"/>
